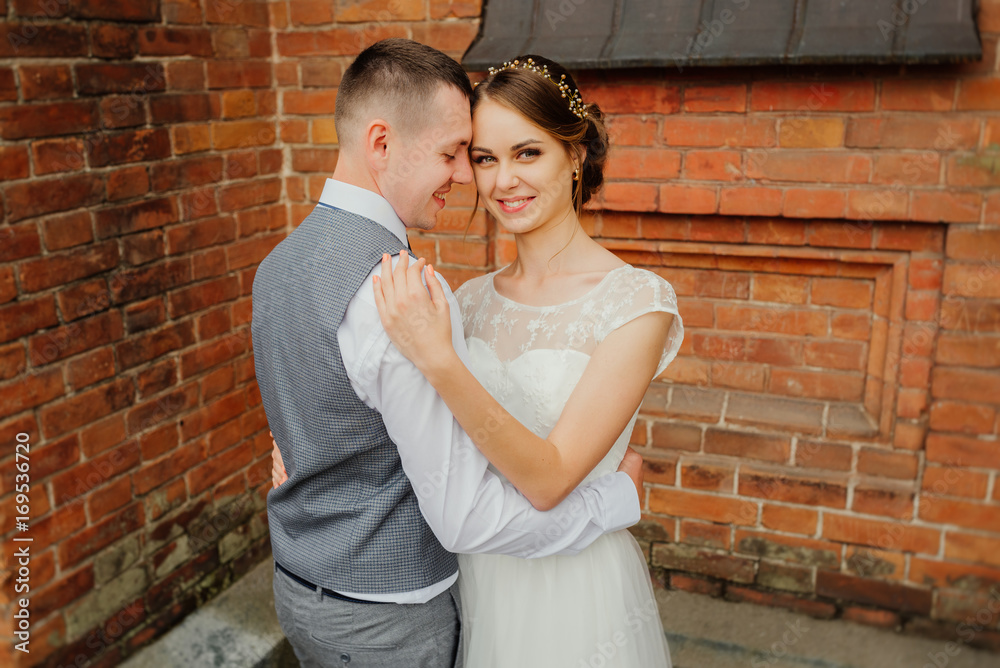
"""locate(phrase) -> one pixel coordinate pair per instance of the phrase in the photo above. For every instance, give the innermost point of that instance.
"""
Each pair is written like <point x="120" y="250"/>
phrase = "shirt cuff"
<point x="621" y="504"/>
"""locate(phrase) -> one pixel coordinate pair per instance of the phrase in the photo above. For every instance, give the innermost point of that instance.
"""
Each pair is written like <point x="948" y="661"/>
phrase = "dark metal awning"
<point x="603" y="34"/>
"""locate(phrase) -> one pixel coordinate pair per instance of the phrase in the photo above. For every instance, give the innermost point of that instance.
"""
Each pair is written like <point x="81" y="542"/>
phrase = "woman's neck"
<point x="551" y="248"/>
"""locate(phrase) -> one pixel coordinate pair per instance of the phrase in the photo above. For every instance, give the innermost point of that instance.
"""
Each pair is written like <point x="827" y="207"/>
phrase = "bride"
<point x="565" y="339"/>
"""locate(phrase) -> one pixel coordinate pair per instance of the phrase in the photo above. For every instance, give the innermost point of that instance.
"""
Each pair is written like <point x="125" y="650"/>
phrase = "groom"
<point x="383" y="485"/>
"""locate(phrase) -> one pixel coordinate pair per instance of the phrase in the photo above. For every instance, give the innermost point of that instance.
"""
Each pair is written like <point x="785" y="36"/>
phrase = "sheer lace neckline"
<point x="582" y="297"/>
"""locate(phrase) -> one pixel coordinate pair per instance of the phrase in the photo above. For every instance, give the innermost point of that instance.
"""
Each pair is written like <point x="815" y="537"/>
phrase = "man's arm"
<point x="467" y="506"/>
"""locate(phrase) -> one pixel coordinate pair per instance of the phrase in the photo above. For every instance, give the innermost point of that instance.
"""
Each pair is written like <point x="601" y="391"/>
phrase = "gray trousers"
<point x="326" y="632"/>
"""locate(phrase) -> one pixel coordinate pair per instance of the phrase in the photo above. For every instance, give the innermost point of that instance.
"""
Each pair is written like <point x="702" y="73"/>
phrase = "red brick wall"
<point x="827" y="440"/>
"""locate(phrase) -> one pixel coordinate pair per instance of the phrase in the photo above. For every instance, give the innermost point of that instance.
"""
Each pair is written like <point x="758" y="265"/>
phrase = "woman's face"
<point x="523" y="174"/>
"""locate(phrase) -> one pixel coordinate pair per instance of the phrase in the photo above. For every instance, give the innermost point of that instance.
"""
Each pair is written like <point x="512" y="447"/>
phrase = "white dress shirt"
<point x="466" y="505"/>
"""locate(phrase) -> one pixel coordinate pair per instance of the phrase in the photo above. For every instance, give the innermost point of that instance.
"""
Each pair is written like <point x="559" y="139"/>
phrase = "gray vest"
<point x="346" y="518"/>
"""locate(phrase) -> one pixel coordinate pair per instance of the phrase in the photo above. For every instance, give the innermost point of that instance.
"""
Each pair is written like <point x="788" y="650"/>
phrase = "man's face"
<point x="427" y="160"/>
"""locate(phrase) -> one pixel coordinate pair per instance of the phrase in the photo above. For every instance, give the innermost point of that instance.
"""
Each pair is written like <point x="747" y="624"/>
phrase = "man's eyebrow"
<point x="481" y="149"/>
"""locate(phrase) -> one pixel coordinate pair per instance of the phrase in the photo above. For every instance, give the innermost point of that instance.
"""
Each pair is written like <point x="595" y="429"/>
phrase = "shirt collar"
<point x="365" y="203"/>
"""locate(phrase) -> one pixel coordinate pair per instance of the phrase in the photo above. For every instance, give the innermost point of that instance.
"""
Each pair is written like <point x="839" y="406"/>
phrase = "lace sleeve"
<point x="635" y="294"/>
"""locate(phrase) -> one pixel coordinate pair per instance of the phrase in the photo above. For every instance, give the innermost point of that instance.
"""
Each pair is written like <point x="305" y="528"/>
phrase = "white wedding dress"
<point x="595" y="608"/>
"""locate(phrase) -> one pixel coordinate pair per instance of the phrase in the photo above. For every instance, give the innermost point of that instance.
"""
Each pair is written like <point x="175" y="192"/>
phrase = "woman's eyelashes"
<point x="525" y="154"/>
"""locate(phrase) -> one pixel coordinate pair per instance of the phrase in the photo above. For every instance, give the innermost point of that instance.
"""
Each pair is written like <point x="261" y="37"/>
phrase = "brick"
<point x="917" y="94"/>
<point x="201" y="296"/>
<point x="702" y="561"/>
<point x="807" y="132"/>
<point x="880" y="618"/>
<point x="971" y="280"/>
<point x="685" y="199"/>
<point x="959" y="417"/>
<point x="704" y="535"/>
<point x="896" y="503"/>
<point x="908" y="132"/>
<point x="970" y="243"/>
<point x="962" y="384"/>
<point x="888" y="464"/>
<point x="815" y="454"/>
<point x="129" y="146"/>
<point x="156" y="378"/>
<point x="240" y="74"/>
<point x="45" y="82"/>
<point x="251" y="251"/>
<point x="102" y="435"/>
<point x="776" y="231"/>
<point x="186" y="173"/>
<point x="186" y="74"/>
<point x="907" y="169"/>
<point x="812" y="97"/>
<point x="8" y="86"/>
<point x="779" y="288"/>
<point x="816" y="385"/>
<point x="86" y="407"/>
<point x="32" y="40"/>
<point x="676" y="436"/>
<point x="139" y="249"/>
<point x="114" y="41"/>
<point x="127" y="183"/>
<point x="56" y="269"/>
<point x="750" y="201"/>
<point x="953" y="481"/>
<point x="26" y="316"/>
<point x="715" y="98"/>
<point x="706" y="475"/>
<point x="950" y="574"/>
<point x="140" y="10"/>
<point x="643" y="163"/>
<point x="60" y="232"/>
<point x="62" y="592"/>
<point x="746" y="445"/>
<point x="776" y="485"/>
<point x="967" y="514"/>
<point x="813" y="608"/>
<point x="902" y="598"/>
<point x="100" y="535"/>
<point x="94" y="79"/>
<point x="636" y="99"/>
<point x="885" y="535"/>
<point x="13" y="163"/>
<point x="794" y="549"/>
<point x="137" y="350"/>
<point x="19" y="241"/>
<point x="191" y="139"/>
<point x="39" y="197"/>
<point x="813" y="203"/>
<point x="945" y="206"/>
<point x="148" y="414"/>
<point x="83" y="299"/>
<point x="808" y="166"/>
<point x="75" y="338"/>
<point x="143" y="215"/>
<point x="175" y="42"/>
<point x="843" y="292"/>
<point x="8" y="290"/>
<point x="242" y="134"/>
<point x="695" y="584"/>
<point x="719" y="131"/>
<point x="978" y="95"/>
<point x="778" y="320"/>
<point x="200" y="234"/>
<point x="217" y="468"/>
<point x="712" y="508"/>
<point x="179" y="108"/>
<point x="789" y="519"/>
<point x="450" y="37"/>
<point x="31" y="391"/>
<point x="314" y="160"/>
<point x="12" y="361"/>
<point x="978" y="549"/>
<point x="910" y="237"/>
<point x="712" y="166"/>
<point x="848" y="356"/>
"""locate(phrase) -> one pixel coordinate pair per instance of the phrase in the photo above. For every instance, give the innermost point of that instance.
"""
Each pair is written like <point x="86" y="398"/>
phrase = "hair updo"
<point x="541" y="102"/>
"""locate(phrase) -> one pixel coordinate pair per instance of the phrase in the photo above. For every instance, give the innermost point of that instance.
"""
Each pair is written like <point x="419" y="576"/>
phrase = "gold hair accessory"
<point x="576" y="104"/>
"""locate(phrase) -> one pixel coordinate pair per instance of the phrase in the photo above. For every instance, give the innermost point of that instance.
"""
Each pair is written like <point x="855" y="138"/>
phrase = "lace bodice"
<point x="531" y="357"/>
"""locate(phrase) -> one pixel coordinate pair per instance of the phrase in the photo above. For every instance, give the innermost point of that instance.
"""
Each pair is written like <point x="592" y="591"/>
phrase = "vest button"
<point x="346" y="658"/>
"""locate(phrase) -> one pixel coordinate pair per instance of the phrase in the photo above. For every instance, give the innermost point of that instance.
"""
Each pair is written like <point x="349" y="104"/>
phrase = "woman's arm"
<point x="598" y="410"/>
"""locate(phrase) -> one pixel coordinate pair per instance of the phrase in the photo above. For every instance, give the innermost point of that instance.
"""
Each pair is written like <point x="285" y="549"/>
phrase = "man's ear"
<point x="377" y="144"/>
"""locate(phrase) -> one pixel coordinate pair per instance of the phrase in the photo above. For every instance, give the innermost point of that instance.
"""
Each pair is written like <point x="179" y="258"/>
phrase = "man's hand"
<point x="278" y="474"/>
<point x="632" y="465"/>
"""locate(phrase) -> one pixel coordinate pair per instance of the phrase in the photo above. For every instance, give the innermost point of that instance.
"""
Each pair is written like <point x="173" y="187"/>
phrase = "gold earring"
<point x="576" y="174"/>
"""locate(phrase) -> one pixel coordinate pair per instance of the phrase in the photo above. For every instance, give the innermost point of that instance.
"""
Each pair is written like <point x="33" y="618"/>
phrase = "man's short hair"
<point x="395" y="79"/>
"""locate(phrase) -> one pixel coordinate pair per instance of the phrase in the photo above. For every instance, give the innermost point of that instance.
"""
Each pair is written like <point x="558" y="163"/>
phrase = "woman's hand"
<point x="417" y="319"/>
<point x="278" y="474"/>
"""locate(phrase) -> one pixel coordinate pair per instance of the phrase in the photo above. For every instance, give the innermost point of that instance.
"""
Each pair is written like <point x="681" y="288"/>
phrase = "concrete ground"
<point x="239" y="629"/>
